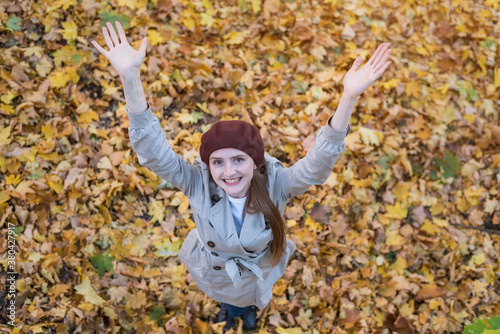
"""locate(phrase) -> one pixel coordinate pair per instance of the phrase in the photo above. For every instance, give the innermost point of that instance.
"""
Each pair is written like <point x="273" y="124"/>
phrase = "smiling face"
<point x="232" y="170"/>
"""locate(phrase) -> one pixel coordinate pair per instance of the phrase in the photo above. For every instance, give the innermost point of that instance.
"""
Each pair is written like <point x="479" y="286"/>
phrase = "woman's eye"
<point x="239" y="159"/>
<point x="217" y="162"/>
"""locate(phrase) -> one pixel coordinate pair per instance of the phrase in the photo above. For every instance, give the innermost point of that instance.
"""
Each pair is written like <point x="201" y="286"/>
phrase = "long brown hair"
<point x="258" y="200"/>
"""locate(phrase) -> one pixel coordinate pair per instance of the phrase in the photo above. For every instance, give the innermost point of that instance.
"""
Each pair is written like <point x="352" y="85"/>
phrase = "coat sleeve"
<point x="153" y="150"/>
<point x="316" y="166"/>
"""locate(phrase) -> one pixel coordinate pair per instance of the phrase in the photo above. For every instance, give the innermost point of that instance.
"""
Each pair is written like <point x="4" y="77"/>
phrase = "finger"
<point x="356" y="64"/>
<point x="378" y="61"/>
<point x="379" y="73"/>
<point x="382" y="61"/>
<point x="109" y="43"/>
<point x="374" y="59"/>
<point x="144" y="44"/>
<point x="112" y="32"/>
<point x="121" y="32"/>
<point x="99" y="48"/>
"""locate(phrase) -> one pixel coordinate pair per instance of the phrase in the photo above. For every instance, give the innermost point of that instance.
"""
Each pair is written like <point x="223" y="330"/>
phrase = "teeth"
<point x="232" y="180"/>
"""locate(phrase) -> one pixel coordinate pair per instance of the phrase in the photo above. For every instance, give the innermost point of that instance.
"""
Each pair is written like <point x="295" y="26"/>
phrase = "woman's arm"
<point x="126" y="61"/>
<point x="318" y="163"/>
<point x="146" y="135"/>
<point x="357" y="81"/>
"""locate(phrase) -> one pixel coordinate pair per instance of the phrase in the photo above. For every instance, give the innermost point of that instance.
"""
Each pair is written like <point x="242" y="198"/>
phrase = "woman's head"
<point x="232" y="150"/>
<point x="232" y="170"/>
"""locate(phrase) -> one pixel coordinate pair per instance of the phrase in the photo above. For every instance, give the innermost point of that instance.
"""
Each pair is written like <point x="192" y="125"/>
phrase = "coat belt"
<point x="234" y="271"/>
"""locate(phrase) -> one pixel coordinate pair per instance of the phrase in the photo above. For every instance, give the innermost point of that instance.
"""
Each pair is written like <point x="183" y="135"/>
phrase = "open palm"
<point x="121" y="55"/>
<point x="356" y="81"/>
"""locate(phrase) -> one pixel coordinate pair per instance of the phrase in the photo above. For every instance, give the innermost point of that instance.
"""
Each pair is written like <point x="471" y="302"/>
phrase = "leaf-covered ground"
<point x="399" y="239"/>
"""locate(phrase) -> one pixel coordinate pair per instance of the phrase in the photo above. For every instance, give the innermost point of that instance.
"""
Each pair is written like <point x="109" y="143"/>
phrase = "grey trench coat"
<point x="226" y="267"/>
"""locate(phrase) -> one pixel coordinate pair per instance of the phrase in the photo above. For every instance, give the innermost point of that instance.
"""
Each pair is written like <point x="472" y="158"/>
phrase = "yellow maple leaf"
<point x="43" y="67"/>
<point x="88" y="292"/>
<point x="136" y="301"/>
<point x="429" y="227"/>
<point x="391" y="83"/>
<point x="370" y="136"/>
<point x="4" y="196"/>
<point x="64" y="54"/>
<point x="393" y="238"/>
<point x="4" y="135"/>
<point x="412" y="89"/>
<point x="157" y="211"/>
<point x="492" y="3"/>
<point x="497" y="77"/>
<point x="36" y="51"/>
<point x="132" y="4"/>
<point x="209" y="7"/>
<point x="88" y="116"/>
<point x="189" y="23"/>
<point x="73" y="75"/>
<point x="154" y="37"/>
<point x="399" y="265"/>
<point x="13" y="179"/>
<point x="22" y="189"/>
<point x="206" y="20"/>
<point x="8" y="97"/>
<point x="59" y="79"/>
<point x="56" y="186"/>
<point x="235" y="37"/>
<point x="69" y="31"/>
<point x="313" y="224"/>
<point x="139" y="245"/>
<point x="48" y="131"/>
<point x="397" y="211"/>
<point x="256" y="5"/>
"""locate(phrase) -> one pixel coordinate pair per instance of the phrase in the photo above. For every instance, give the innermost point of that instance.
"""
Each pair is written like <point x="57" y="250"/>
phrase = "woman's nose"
<point x="229" y="170"/>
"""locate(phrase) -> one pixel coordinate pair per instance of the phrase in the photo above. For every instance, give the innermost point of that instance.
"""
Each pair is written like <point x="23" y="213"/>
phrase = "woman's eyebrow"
<point x="233" y="157"/>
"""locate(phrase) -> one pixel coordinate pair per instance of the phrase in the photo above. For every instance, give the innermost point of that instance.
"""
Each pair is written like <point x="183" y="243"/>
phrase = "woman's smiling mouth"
<point x="233" y="181"/>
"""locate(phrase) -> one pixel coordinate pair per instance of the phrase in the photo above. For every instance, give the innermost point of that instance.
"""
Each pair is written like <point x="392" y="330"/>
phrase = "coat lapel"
<point x="253" y="224"/>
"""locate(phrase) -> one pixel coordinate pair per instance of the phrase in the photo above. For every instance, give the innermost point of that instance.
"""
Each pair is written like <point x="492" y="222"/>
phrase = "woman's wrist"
<point x="134" y="92"/>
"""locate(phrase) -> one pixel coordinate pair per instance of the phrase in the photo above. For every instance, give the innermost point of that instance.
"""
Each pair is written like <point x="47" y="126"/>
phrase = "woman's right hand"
<point x="121" y="55"/>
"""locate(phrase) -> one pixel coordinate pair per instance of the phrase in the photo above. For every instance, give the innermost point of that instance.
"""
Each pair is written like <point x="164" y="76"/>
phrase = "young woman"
<point x="237" y="192"/>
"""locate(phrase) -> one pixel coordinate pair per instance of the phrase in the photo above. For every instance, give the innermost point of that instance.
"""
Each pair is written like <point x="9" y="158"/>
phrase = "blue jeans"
<point x="235" y="311"/>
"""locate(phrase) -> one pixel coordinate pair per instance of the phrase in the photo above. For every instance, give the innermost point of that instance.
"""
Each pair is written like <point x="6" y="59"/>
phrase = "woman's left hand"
<point x="355" y="82"/>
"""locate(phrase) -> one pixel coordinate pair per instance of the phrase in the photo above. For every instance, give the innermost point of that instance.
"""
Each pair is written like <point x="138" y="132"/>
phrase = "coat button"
<point x="268" y="225"/>
<point x="214" y="254"/>
<point x="217" y="268"/>
<point x="211" y="244"/>
<point x="252" y="256"/>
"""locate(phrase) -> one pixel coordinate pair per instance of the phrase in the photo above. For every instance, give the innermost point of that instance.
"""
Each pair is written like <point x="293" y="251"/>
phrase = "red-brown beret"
<point x="232" y="134"/>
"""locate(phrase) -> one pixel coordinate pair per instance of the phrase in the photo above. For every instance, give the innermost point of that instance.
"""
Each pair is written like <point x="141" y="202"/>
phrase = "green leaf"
<point x="13" y="23"/>
<point x="158" y="312"/>
<point x="450" y="165"/>
<point x="176" y="76"/>
<point x="478" y="327"/>
<point x="299" y="87"/>
<point x="494" y="322"/>
<point x="113" y="16"/>
<point x="102" y="263"/>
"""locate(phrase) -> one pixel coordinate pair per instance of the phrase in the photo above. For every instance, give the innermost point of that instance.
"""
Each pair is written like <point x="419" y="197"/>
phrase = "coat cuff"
<point x="141" y="120"/>
<point x="334" y="135"/>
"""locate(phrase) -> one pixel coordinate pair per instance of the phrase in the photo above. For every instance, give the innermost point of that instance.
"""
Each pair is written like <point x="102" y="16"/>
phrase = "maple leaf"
<point x="102" y="263"/>
<point x="88" y="292"/>
<point x="70" y="30"/>
<point x="449" y="165"/>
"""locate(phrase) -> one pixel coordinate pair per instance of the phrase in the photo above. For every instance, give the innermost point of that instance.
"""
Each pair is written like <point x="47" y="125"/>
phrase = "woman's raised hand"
<point x="355" y="82"/>
<point x="121" y="55"/>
